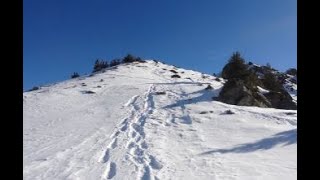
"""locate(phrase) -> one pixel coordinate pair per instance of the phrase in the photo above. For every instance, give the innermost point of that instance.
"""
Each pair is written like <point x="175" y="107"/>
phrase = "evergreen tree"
<point x="115" y="62"/>
<point x="271" y="82"/>
<point x="75" y="75"/>
<point x="268" y="65"/>
<point x="235" y="68"/>
<point x="105" y="64"/>
<point x="251" y="80"/>
<point x="129" y="59"/>
<point x="292" y="71"/>
<point x="139" y="59"/>
<point x="96" y="66"/>
<point x="99" y="65"/>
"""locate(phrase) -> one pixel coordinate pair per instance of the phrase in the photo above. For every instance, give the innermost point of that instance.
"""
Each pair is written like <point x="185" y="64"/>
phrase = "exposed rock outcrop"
<point x="281" y="100"/>
<point x="236" y="92"/>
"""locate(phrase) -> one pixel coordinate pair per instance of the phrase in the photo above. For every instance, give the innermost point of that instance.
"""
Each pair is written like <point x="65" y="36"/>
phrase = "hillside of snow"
<point x="135" y="121"/>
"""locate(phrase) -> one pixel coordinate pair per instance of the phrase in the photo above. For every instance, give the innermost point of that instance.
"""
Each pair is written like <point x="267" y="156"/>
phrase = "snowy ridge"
<point x="142" y="124"/>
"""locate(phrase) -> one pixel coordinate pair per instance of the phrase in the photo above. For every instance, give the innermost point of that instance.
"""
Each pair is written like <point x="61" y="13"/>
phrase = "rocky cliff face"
<point x="237" y="92"/>
<point x="281" y="100"/>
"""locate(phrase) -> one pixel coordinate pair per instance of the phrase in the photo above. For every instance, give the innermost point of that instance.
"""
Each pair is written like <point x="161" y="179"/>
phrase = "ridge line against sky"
<point x="61" y="37"/>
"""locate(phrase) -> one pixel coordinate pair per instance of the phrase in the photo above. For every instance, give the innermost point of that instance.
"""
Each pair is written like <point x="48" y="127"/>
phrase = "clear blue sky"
<point x="63" y="36"/>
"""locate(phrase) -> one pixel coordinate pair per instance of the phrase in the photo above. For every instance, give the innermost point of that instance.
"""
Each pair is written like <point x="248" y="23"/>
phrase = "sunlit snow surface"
<point x="128" y="129"/>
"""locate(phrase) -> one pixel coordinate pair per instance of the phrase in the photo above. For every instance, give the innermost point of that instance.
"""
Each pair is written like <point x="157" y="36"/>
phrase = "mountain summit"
<point x="149" y="120"/>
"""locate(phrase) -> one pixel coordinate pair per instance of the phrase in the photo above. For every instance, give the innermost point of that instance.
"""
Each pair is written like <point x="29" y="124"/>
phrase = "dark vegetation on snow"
<point x="34" y="88"/>
<point x="292" y="71"/>
<point x="100" y="64"/>
<point x="75" y="75"/>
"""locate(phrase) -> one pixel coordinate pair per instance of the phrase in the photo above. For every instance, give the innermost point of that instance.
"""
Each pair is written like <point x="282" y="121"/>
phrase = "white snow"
<point x="291" y="88"/>
<point x="125" y="130"/>
<point x="263" y="91"/>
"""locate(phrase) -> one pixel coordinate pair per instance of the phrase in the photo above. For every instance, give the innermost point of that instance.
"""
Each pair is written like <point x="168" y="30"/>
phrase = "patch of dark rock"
<point x="218" y="79"/>
<point x="160" y="93"/>
<point x="215" y="98"/>
<point x="209" y="87"/>
<point x="34" y="88"/>
<point x="281" y="100"/>
<point x="293" y="80"/>
<point x="98" y="86"/>
<point x="228" y="112"/>
<point x="164" y="69"/>
<point x="175" y="76"/>
<point x="88" y="92"/>
<point x="173" y="71"/>
<point x="141" y="61"/>
<point x="203" y="112"/>
<point x="237" y="93"/>
<point x="290" y="113"/>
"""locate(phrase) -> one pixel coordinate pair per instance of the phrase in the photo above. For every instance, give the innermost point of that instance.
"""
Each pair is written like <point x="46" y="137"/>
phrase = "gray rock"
<point x="281" y="100"/>
<point x="235" y="92"/>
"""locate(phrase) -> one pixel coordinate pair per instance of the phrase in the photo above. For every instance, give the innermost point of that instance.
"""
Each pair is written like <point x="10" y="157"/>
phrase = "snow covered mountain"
<point x="138" y="121"/>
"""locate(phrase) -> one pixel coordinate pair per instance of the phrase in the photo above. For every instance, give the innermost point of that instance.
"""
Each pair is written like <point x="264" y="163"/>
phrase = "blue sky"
<point x="63" y="36"/>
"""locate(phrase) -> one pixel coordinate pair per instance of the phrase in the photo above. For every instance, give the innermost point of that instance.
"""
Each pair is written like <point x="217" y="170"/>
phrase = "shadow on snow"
<point x="206" y="95"/>
<point x="285" y="138"/>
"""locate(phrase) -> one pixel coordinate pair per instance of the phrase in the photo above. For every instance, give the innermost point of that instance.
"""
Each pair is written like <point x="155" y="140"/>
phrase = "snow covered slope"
<point x="136" y="122"/>
<point x="291" y="86"/>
